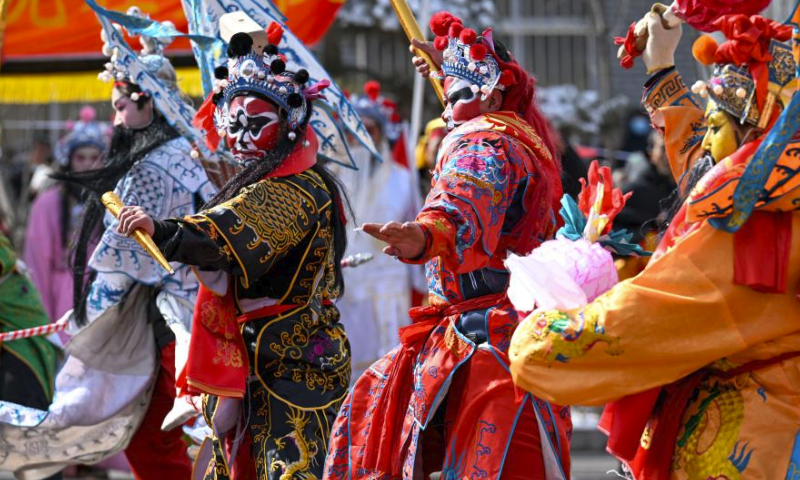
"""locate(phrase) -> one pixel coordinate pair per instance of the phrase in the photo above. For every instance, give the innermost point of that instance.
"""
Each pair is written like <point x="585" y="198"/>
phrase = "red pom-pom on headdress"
<point x="468" y="36"/>
<point x="440" y="43"/>
<point x="372" y="89"/>
<point x="507" y="78"/>
<point x="455" y="29"/>
<point x="478" y="52"/>
<point x="274" y="33"/>
<point x="440" y="23"/>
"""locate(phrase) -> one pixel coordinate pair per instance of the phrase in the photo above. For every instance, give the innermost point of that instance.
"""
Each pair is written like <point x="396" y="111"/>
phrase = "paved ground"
<point x="585" y="466"/>
<point x="589" y="460"/>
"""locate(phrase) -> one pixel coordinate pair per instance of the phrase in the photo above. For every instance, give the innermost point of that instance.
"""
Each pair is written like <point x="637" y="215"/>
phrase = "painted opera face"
<point x="462" y="103"/>
<point x="724" y="135"/>
<point x="253" y="126"/>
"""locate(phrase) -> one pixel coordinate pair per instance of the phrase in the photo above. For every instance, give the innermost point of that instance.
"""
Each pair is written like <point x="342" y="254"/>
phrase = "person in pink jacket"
<point x="55" y="214"/>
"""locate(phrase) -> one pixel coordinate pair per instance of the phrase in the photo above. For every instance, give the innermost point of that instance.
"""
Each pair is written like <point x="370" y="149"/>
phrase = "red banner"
<point x="43" y="29"/>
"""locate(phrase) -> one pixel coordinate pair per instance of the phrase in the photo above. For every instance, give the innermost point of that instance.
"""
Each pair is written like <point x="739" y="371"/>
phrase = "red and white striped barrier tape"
<point x="33" y="332"/>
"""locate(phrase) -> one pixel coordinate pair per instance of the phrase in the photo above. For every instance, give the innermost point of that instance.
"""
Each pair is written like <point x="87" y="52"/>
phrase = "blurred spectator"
<point x="40" y="161"/>
<point x="378" y="293"/>
<point x="55" y="215"/>
<point x="573" y="167"/>
<point x="651" y="183"/>
<point x="426" y="150"/>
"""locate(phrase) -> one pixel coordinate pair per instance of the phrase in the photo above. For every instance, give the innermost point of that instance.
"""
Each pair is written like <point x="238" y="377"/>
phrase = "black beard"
<point x="686" y="184"/>
<point x="254" y="169"/>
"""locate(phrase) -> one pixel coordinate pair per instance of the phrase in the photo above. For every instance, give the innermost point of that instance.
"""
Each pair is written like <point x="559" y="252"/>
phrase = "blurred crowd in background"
<point x="619" y="135"/>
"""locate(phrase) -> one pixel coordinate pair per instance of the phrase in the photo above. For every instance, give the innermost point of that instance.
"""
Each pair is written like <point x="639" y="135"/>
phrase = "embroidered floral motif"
<point x="228" y="354"/>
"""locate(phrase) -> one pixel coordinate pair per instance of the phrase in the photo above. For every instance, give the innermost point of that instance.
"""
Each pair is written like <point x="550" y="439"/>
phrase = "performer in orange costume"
<point x="698" y="354"/>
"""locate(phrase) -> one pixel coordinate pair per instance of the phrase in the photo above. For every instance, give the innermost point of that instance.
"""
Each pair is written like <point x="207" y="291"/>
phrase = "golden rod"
<point x="413" y="32"/>
<point x="114" y="204"/>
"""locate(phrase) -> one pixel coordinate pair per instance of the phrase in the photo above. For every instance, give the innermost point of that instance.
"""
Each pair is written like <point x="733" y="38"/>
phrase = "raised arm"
<point x="681" y="314"/>
<point x="672" y="107"/>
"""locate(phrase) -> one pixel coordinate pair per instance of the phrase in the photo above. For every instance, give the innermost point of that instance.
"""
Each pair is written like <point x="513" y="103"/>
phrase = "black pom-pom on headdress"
<point x="221" y="72"/>
<point x="277" y="66"/>
<point x="271" y="49"/>
<point x="240" y="45"/>
<point x="301" y="76"/>
<point x="294" y="100"/>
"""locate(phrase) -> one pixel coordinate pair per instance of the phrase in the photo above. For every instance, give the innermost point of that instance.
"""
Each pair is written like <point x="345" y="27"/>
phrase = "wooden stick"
<point x="114" y="204"/>
<point x="413" y="32"/>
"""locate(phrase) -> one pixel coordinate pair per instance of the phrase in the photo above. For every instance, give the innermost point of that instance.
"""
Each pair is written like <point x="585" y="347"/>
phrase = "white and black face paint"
<point x="253" y="124"/>
<point x="463" y="102"/>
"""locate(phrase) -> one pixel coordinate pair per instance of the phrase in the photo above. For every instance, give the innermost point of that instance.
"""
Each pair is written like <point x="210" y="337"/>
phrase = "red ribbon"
<point x="748" y="43"/>
<point x="629" y="44"/>
<point x="386" y="430"/>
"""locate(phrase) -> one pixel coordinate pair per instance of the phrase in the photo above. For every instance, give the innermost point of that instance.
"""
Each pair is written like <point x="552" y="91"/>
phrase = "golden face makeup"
<point x="723" y="136"/>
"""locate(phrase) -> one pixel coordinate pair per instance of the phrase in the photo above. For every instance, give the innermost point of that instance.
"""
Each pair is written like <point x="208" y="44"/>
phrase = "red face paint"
<point x="253" y="125"/>
<point x="462" y="103"/>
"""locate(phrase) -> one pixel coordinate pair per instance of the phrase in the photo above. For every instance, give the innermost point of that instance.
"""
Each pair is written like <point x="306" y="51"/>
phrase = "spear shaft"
<point x="413" y="32"/>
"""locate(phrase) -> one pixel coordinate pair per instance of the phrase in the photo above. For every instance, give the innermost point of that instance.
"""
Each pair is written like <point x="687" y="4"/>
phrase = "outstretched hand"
<point x="419" y="63"/>
<point x="130" y="218"/>
<point x="405" y="240"/>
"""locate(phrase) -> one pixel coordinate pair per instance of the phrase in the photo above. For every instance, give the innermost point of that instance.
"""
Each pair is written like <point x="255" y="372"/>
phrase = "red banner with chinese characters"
<point x="45" y="29"/>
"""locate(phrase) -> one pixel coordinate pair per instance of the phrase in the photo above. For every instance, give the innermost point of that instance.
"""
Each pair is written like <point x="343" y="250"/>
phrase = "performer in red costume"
<point x="443" y="401"/>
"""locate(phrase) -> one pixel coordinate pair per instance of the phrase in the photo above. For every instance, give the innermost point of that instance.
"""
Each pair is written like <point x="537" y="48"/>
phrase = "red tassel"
<point x="440" y="43"/>
<point x="626" y="62"/>
<point x="372" y="89"/>
<point x="274" y="33"/>
<point x="629" y="44"/>
<point x="204" y="120"/>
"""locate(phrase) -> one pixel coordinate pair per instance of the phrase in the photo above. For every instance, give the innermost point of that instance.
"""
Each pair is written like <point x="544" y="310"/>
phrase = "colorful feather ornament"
<point x="577" y="266"/>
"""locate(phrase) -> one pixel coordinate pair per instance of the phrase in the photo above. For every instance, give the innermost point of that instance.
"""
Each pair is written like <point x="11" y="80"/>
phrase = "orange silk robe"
<point x="682" y="314"/>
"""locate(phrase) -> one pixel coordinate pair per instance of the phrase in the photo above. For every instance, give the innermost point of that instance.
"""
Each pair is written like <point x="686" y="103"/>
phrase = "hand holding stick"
<point x="114" y="204"/>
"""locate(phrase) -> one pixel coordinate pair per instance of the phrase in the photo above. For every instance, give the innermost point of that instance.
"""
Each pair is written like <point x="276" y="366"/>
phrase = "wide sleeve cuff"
<point x="666" y="89"/>
<point x="424" y="256"/>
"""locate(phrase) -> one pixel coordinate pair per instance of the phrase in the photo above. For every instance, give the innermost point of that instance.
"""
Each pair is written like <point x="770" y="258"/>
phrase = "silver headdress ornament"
<point x="332" y="117"/>
<point x="468" y="56"/>
<point x="256" y="65"/>
<point x="150" y="70"/>
<point x="151" y="56"/>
